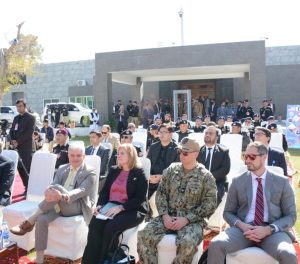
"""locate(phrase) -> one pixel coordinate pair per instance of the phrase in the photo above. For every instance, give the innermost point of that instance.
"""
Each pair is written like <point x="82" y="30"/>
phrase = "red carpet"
<point x="18" y="190"/>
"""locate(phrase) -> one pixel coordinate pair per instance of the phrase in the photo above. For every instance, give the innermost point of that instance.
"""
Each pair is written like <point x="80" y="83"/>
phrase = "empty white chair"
<point x="276" y="141"/>
<point x="199" y="137"/>
<point x="142" y="145"/>
<point x="116" y="135"/>
<point x="276" y="169"/>
<point x="143" y="130"/>
<point x="234" y="143"/>
<point x="67" y="236"/>
<point x="41" y="175"/>
<point x="146" y="165"/>
<point x="13" y="156"/>
<point x="76" y="141"/>
<point x="249" y="256"/>
<point x="107" y="145"/>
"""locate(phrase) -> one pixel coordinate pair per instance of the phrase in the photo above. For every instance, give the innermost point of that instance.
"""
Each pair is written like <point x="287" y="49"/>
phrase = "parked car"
<point x="78" y="113"/>
<point x="8" y="113"/>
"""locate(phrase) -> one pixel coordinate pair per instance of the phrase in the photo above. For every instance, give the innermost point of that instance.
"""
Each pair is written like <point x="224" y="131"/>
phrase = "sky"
<point x="71" y="30"/>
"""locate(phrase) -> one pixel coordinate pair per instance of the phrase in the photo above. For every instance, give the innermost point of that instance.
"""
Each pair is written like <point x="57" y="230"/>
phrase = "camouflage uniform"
<point x="191" y="195"/>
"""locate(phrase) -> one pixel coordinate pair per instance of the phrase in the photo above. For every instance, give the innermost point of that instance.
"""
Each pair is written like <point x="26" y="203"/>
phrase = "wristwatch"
<point x="273" y="229"/>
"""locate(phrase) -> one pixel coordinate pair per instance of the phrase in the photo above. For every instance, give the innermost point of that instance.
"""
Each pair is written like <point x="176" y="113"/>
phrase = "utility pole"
<point x="180" y="13"/>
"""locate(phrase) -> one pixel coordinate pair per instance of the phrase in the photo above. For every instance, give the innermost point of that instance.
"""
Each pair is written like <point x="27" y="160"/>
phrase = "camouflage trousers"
<point x="187" y="240"/>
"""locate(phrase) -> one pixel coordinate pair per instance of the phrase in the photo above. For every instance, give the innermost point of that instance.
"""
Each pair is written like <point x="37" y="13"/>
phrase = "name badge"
<point x="16" y="127"/>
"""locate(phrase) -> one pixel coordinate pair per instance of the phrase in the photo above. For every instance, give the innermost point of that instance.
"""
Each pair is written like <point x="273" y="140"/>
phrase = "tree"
<point x="18" y="61"/>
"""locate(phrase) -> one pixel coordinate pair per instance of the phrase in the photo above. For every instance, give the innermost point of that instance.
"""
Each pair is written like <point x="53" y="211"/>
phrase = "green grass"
<point x="85" y="139"/>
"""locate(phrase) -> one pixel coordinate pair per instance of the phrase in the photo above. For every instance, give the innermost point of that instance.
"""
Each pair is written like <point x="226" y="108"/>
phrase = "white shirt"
<point x="211" y="153"/>
<point x="95" y="150"/>
<point x="250" y="216"/>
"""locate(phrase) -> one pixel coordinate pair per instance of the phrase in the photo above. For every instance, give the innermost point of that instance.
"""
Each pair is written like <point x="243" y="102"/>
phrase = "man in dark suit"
<point x="215" y="159"/>
<point x="260" y="209"/>
<point x="71" y="193"/>
<point x="275" y="158"/>
<point x="21" y="139"/>
<point x="62" y="147"/>
<point x="213" y="110"/>
<point x="98" y="149"/>
<point x="7" y="175"/>
<point x="161" y="155"/>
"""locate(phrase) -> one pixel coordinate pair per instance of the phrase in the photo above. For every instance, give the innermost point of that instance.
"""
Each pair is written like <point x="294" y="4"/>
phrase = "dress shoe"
<point x="22" y="229"/>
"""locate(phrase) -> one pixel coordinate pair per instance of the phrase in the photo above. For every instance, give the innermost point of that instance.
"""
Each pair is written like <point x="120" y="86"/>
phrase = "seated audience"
<point x="161" y="154"/>
<point x="107" y="137"/>
<point x="275" y="158"/>
<point x="221" y="125"/>
<point x="70" y="194"/>
<point x="273" y="129"/>
<point x="260" y="209"/>
<point x="185" y="197"/>
<point x="7" y="175"/>
<point x="125" y="187"/>
<point x="207" y="120"/>
<point x="216" y="159"/>
<point x="229" y="121"/>
<point x="168" y="120"/>
<point x="96" y="148"/>
<point x="62" y="125"/>
<point x="37" y="140"/>
<point x="126" y="138"/>
<point x="237" y="129"/>
<point x="256" y="121"/>
<point x="61" y="149"/>
<point x="48" y="130"/>
<point x="131" y="127"/>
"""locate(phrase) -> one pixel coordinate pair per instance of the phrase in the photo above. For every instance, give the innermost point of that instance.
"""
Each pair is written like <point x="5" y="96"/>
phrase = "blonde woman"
<point x="125" y="191"/>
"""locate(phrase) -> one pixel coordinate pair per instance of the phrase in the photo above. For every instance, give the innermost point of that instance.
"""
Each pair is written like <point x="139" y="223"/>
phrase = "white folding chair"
<point x="130" y="235"/>
<point x="276" y="169"/>
<point x="199" y="137"/>
<point x="41" y="176"/>
<point x="140" y="144"/>
<point x="77" y="142"/>
<point x="234" y="143"/>
<point x="175" y="137"/>
<point x="276" y="141"/>
<point x="116" y="135"/>
<point x="13" y="156"/>
<point x="250" y="255"/>
<point x="140" y="137"/>
<point x="67" y="236"/>
<point x="108" y="145"/>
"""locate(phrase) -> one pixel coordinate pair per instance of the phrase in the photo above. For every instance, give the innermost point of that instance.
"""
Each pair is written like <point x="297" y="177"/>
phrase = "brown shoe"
<point x="22" y="229"/>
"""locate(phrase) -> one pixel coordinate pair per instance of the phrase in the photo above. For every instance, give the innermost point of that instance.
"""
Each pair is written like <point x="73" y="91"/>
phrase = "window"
<point x="85" y="100"/>
<point x="50" y="100"/>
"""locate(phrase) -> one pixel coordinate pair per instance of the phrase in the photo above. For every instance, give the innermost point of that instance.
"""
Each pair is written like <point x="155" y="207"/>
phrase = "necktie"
<point x="207" y="161"/>
<point x="259" y="205"/>
<point x="93" y="150"/>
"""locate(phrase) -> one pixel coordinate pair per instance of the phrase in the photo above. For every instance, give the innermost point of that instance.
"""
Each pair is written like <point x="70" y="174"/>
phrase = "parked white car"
<point x="77" y="112"/>
<point x="8" y="113"/>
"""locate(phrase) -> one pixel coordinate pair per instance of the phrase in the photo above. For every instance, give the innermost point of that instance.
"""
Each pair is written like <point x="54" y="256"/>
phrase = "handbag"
<point x="121" y="253"/>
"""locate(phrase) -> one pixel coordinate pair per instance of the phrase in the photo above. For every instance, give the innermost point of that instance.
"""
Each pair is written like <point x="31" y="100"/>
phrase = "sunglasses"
<point x="130" y="127"/>
<point x="104" y="133"/>
<point x="251" y="156"/>
<point x="184" y="153"/>
<point x="125" y="137"/>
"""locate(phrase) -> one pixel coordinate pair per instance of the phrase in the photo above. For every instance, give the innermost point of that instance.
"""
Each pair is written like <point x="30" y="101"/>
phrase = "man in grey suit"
<point x="260" y="210"/>
<point x="71" y="193"/>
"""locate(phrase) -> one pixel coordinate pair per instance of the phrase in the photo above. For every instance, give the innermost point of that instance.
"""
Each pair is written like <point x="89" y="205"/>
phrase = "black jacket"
<point x="104" y="154"/>
<point x="137" y="186"/>
<point x="7" y="176"/>
<point x="21" y="131"/>
<point x="276" y="158"/>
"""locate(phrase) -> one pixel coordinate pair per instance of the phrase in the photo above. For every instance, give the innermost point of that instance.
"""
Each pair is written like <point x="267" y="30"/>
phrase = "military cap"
<point x="183" y="122"/>
<point x="248" y="118"/>
<point x="126" y="133"/>
<point x="271" y="118"/>
<point x="221" y="117"/>
<point x="206" y="116"/>
<point x="199" y="117"/>
<point x="189" y="145"/>
<point x="62" y="131"/>
<point x="272" y="126"/>
<point x="236" y="123"/>
<point x="229" y="117"/>
<point x="256" y="115"/>
<point x="154" y="127"/>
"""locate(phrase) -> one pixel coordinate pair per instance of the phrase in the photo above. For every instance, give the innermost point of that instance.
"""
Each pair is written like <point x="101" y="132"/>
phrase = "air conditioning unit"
<point x="81" y="83"/>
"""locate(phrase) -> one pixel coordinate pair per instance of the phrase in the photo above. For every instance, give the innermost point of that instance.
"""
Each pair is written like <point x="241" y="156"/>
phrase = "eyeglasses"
<point x="130" y="127"/>
<point x="163" y="132"/>
<point x="184" y="153"/>
<point x="104" y="133"/>
<point x="252" y="156"/>
<point x="125" y="137"/>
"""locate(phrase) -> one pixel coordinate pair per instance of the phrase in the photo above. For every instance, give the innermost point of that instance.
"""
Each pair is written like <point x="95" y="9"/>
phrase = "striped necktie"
<point x="259" y="205"/>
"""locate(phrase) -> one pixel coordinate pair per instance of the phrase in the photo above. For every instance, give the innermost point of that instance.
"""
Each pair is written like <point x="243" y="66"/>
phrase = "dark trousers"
<point x="102" y="232"/>
<point x="26" y="157"/>
<point x="121" y="127"/>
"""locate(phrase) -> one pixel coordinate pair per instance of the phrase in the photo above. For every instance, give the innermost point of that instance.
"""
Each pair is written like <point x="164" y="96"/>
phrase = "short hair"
<point x="134" y="161"/>
<point x="261" y="148"/>
<point x="214" y="127"/>
<point x="266" y="131"/>
<point x="107" y="126"/>
<point x="62" y="123"/>
<point x="77" y="145"/>
<point x="21" y="101"/>
<point x="97" y="133"/>
<point x="169" y="128"/>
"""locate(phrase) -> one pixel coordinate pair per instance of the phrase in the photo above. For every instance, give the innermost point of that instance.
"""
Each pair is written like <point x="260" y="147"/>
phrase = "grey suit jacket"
<point x="279" y="197"/>
<point x="85" y="187"/>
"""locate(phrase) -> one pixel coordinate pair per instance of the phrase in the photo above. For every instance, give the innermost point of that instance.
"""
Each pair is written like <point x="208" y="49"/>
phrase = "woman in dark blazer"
<point x="126" y="185"/>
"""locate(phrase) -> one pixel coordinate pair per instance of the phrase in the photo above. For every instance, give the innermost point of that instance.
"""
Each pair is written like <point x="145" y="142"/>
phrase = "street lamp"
<point x="180" y="13"/>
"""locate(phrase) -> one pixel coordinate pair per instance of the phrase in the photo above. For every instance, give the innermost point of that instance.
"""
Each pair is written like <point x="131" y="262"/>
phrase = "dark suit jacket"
<point x="276" y="158"/>
<point x="137" y="186"/>
<point x="220" y="167"/>
<point x="49" y="133"/>
<point x="7" y="176"/>
<point x="279" y="197"/>
<point x="104" y="154"/>
<point x="171" y="154"/>
<point x="21" y="131"/>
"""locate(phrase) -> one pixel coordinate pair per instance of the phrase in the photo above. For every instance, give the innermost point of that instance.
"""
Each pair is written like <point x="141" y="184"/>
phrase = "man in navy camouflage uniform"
<point x="186" y="196"/>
